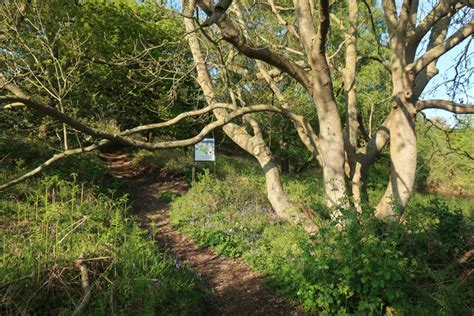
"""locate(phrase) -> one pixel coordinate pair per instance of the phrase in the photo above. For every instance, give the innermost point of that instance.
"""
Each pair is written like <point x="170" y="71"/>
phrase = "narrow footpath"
<point x="236" y="288"/>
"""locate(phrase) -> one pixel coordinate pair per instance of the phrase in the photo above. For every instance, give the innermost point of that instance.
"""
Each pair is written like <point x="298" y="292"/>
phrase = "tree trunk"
<point x="357" y="186"/>
<point x="331" y="144"/>
<point x="252" y="144"/>
<point x="277" y="197"/>
<point x="403" y="164"/>
<point x="349" y="76"/>
<point x="275" y="192"/>
<point x="402" y="122"/>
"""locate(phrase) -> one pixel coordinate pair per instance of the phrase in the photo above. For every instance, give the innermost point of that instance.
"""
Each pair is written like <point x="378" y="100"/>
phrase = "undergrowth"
<point x="52" y="227"/>
<point x="179" y="162"/>
<point x="367" y="267"/>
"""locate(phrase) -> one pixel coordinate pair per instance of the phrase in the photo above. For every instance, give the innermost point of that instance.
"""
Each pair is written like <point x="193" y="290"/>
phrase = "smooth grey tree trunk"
<point x="254" y="145"/>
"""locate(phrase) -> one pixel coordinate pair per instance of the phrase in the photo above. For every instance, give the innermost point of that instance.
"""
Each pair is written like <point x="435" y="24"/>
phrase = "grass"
<point x="366" y="268"/>
<point x="52" y="223"/>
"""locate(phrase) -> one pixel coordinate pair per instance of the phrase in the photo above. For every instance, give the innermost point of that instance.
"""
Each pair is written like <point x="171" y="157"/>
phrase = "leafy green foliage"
<point x="366" y="267"/>
<point x="51" y="222"/>
<point x="444" y="158"/>
<point x="110" y="64"/>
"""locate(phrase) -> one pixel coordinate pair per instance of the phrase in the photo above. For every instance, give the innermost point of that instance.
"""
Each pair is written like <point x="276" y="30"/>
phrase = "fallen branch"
<point x="49" y="162"/>
<point x="153" y="146"/>
<point x="86" y="287"/>
<point x="80" y="260"/>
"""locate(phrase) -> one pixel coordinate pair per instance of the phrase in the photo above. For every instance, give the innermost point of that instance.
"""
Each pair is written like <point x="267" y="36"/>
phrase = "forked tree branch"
<point x="282" y="21"/>
<point x="231" y="34"/>
<point x="437" y="37"/>
<point x="441" y="10"/>
<point x="437" y="51"/>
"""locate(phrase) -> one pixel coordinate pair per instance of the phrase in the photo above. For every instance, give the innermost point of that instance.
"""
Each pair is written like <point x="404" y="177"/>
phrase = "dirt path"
<point x="237" y="289"/>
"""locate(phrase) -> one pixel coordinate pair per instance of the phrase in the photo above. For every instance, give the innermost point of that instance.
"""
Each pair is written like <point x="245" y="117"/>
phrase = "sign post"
<point x="205" y="151"/>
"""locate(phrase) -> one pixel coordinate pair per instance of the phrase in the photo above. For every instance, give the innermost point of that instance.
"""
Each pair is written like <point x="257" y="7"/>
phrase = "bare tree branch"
<point x="445" y="105"/>
<point x="282" y="21"/>
<point x="178" y="118"/>
<point x="119" y="137"/>
<point x="437" y="51"/>
<point x="437" y="37"/>
<point x="12" y="19"/>
<point x="442" y="9"/>
<point x="50" y="161"/>
<point x="168" y="144"/>
<point x="231" y="34"/>
<point x="86" y="288"/>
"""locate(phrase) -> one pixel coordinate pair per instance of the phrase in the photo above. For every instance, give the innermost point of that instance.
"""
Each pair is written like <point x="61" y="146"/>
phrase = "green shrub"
<point x="366" y="267"/>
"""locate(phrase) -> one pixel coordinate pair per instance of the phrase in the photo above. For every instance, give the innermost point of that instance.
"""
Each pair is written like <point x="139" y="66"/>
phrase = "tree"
<point x="293" y="49"/>
<point x="315" y="71"/>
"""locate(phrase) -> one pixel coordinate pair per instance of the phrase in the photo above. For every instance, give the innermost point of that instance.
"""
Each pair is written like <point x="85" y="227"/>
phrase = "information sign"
<point x="205" y="150"/>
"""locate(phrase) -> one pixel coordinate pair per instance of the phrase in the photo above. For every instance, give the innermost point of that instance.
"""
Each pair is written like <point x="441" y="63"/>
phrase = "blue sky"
<point x="436" y="89"/>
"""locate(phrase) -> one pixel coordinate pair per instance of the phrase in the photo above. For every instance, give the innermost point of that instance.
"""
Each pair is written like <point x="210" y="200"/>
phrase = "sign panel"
<point x="205" y="150"/>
